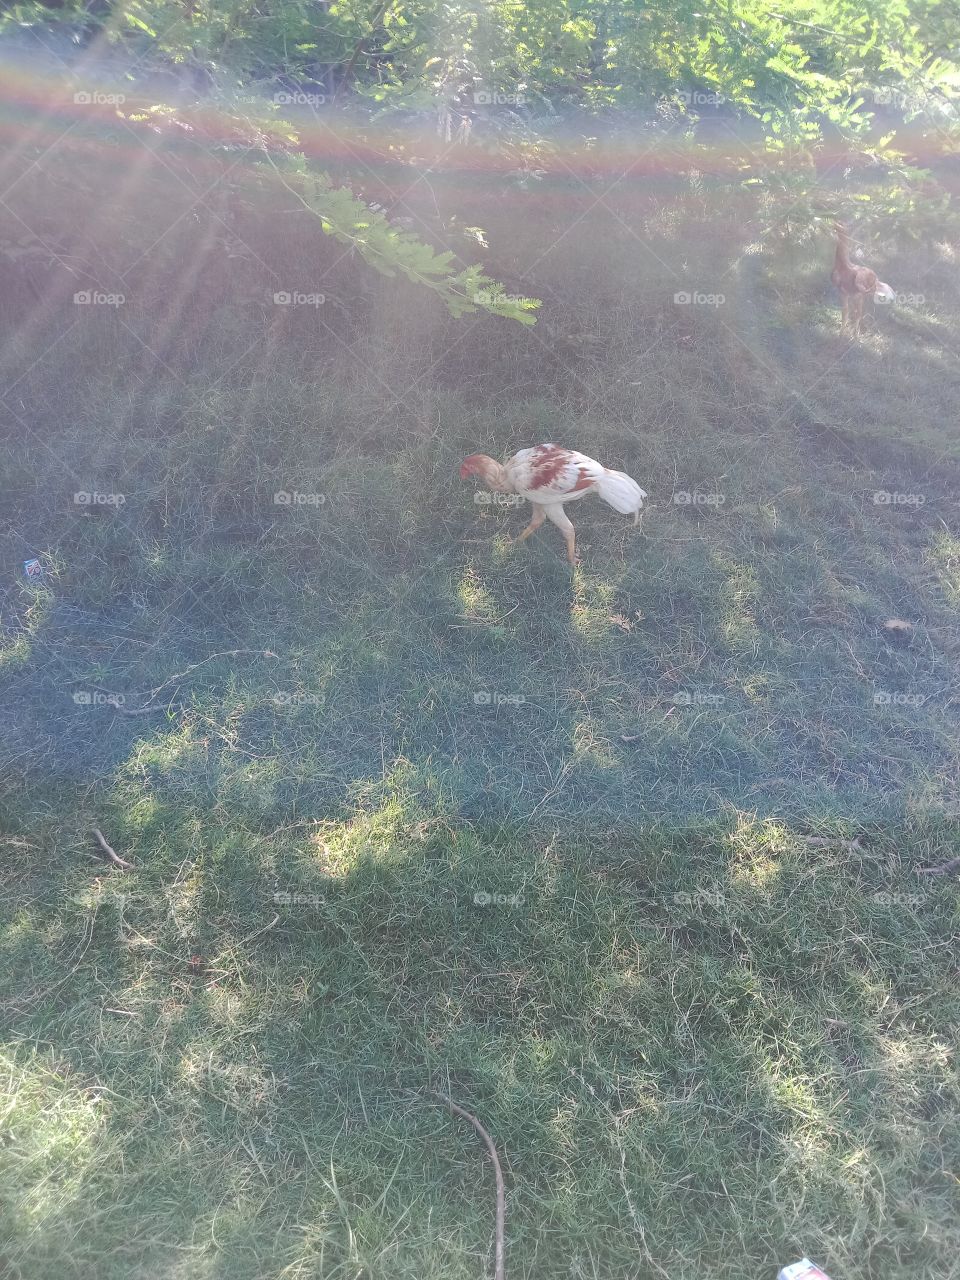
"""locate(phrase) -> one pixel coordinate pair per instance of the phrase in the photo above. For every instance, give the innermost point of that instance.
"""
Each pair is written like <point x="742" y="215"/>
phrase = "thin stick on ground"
<point x="826" y="842"/>
<point x="498" y="1266"/>
<point x="944" y="869"/>
<point x="112" y="855"/>
<point x="113" y="701"/>
<point x="224" y="653"/>
<point x="256" y="934"/>
<point x="178" y="675"/>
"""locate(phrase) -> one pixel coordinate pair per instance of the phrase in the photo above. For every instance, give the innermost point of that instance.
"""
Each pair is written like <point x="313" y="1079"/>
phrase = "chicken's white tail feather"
<point x="620" y="492"/>
<point x="884" y="291"/>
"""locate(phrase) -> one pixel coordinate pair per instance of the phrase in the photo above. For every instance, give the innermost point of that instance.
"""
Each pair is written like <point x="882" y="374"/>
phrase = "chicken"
<point x="854" y="283"/>
<point x="549" y="476"/>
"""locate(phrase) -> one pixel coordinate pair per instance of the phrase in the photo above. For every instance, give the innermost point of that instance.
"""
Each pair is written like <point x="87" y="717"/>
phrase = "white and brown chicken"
<point x="549" y="476"/>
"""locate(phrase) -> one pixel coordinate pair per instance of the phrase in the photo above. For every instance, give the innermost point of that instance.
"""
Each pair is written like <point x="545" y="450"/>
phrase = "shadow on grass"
<point x="712" y="1048"/>
<point x="703" y="1047"/>
<point x="732" y="654"/>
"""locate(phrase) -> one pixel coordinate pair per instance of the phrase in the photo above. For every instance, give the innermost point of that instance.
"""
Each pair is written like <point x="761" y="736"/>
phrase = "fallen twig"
<point x="179" y="675"/>
<point x="256" y="933"/>
<point x="111" y="853"/>
<point x="224" y="653"/>
<point x="498" y="1266"/>
<point x="853" y="845"/>
<point x="943" y="870"/>
<point x="115" y="701"/>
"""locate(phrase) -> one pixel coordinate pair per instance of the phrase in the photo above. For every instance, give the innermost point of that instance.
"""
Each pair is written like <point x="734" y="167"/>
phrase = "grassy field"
<point x="625" y="860"/>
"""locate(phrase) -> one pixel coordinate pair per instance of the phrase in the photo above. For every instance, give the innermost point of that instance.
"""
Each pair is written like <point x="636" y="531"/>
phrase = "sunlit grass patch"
<point x="590" y="611"/>
<point x="639" y="1018"/>
<point x="477" y="599"/>
<point x="945" y="557"/>
<point x="14" y="653"/>
<point x="52" y="1124"/>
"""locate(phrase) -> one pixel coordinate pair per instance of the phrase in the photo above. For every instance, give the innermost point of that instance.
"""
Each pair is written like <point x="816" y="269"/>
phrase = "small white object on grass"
<point x="802" y="1270"/>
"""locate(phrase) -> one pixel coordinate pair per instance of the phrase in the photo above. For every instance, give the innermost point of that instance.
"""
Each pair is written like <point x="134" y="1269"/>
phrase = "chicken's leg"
<point x="560" y="519"/>
<point x="536" y="520"/>
<point x="858" y="320"/>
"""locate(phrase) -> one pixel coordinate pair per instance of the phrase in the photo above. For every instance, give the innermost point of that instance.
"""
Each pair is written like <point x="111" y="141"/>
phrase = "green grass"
<point x="704" y="1045"/>
<point x="703" y="1051"/>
